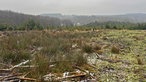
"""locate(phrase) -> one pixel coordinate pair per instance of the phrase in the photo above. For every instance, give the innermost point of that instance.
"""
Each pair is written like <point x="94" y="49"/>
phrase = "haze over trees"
<point x="117" y="25"/>
<point x="17" y="21"/>
<point x="12" y="19"/>
<point x="42" y="47"/>
<point x="85" y="19"/>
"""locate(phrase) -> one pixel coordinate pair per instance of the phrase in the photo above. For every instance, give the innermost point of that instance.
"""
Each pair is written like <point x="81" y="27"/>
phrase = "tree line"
<point x="117" y="25"/>
<point x="17" y="21"/>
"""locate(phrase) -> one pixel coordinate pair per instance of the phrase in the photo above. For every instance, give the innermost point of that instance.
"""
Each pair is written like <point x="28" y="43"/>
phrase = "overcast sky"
<point x="80" y="7"/>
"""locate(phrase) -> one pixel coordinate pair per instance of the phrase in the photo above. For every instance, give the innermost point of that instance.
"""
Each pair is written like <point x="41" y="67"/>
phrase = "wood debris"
<point x="79" y="74"/>
<point x="8" y="75"/>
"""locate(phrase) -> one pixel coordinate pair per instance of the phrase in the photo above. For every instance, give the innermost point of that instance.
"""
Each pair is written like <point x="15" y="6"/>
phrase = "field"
<point x="101" y="55"/>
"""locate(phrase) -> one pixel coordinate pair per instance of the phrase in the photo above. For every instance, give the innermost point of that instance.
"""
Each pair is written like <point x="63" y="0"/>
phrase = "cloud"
<point x="74" y="6"/>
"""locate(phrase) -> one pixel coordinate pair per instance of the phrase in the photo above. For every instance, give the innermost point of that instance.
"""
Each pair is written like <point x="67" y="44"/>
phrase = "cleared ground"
<point x="111" y="55"/>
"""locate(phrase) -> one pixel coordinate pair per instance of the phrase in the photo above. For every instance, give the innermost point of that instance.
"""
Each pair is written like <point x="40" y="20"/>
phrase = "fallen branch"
<point x="9" y="76"/>
<point x="13" y="77"/>
<point x="13" y="67"/>
<point x="27" y="66"/>
<point x="77" y="67"/>
<point x="92" y="66"/>
<point x="74" y="76"/>
<point x="86" y="72"/>
<point x="29" y="79"/>
<point x="5" y="70"/>
<point x="22" y="63"/>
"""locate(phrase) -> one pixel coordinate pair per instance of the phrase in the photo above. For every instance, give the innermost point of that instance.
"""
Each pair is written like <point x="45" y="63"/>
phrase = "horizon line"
<point x="108" y="14"/>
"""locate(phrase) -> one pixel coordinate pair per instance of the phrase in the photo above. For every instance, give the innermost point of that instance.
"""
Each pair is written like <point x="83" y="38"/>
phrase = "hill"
<point x="14" y="18"/>
<point x="85" y="19"/>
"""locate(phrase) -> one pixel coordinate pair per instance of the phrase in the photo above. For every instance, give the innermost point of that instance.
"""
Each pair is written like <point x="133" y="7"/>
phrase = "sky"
<point x="76" y="7"/>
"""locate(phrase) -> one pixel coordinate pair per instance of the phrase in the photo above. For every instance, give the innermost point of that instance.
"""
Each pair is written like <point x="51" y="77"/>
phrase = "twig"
<point x="74" y="76"/>
<point x="24" y="78"/>
<point x="22" y="63"/>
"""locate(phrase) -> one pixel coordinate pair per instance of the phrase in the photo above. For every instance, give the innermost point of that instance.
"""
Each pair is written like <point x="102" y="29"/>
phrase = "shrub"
<point x="15" y="57"/>
<point x="115" y="50"/>
<point x="80" y="60"/>
<point x="87" y="49"/>
<point x="97" y="47"/>
<point x="42" y="63"/>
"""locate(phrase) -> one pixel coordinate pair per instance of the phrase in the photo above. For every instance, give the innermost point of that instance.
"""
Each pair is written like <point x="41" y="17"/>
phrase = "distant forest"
<point x="117" y="25"/>
<point x="17" y="21"/>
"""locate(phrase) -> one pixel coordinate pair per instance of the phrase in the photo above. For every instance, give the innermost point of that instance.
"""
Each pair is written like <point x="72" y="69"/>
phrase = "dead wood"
<point x="75" y="76"/>
<point x="22" y="63"/>
<point x="9" y="76"/>
<point x="28" y="79"/>
<point x="87" y="73"/>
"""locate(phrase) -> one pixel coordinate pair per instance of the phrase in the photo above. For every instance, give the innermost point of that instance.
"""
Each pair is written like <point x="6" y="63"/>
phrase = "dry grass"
<point x="53" y="47"/>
